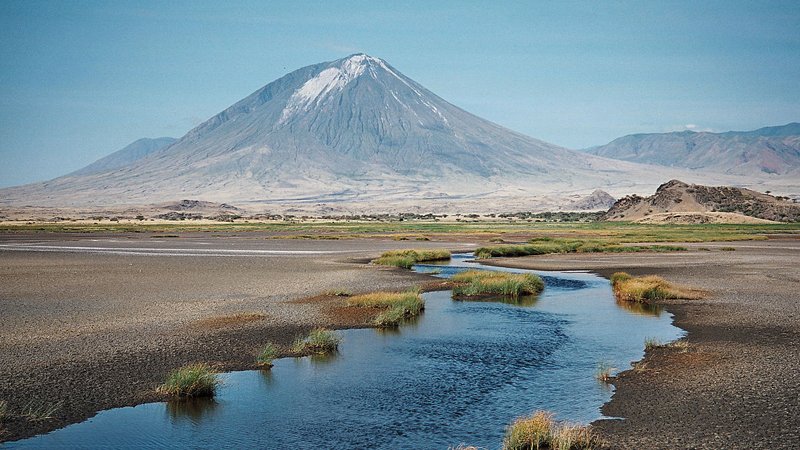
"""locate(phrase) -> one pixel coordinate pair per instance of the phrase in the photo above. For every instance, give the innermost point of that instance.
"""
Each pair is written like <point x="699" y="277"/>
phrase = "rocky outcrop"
<point x="678" y="197"/>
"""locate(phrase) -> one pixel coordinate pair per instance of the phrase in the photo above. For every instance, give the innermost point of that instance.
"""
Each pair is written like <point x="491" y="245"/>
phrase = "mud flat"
<point x="95" y="321"/>
<point x="736" y="386"/>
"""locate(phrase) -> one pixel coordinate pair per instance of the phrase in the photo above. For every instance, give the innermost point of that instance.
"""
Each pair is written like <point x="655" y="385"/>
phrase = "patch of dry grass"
<point x="488" y="282"/>
<point x="541" y="431"/>
<point x="319" y="341"/>
<point x="409" y="257"/>
<point x="399" y="306"/>
<point x="195" y="380"/>
<point x="649" y="288"/>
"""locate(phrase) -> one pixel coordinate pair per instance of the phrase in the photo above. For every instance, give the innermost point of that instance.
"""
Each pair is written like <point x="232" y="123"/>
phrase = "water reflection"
<point x="460" y="373"/>
<point x="642" y="309"/>
<point x="195" y="410"/>
<point x="523" y="300"/>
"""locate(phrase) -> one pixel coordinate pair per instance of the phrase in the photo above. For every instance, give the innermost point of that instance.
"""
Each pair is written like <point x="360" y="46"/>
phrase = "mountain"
<point x="598" y="200"/>
<point x="131" y="153"/>
<point x="766" y="151"/>
<point x="348" y="135"/>
<point x="676" y="201"/>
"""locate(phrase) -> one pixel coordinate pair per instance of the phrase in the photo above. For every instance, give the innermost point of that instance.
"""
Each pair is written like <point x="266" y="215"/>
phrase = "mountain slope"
<point x="353" y="132"/>
<point x="129" y="154"/>
<point x="769" y="150"/>
<point x="677" y="198"/>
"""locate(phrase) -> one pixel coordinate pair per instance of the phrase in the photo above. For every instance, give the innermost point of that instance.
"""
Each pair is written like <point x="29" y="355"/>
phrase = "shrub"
<point x="195" y="380"/>
<point x="319" y="341"/>
<point x="486" y="282"/>
<point x="267" y="354"/>
<point x="407" y="258"/>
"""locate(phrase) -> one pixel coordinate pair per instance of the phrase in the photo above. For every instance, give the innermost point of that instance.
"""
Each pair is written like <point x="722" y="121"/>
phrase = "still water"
<point x="459" y="374"/>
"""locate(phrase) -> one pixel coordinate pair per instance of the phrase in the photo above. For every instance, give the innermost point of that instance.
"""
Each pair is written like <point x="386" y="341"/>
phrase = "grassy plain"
<point x="518" y="231"/>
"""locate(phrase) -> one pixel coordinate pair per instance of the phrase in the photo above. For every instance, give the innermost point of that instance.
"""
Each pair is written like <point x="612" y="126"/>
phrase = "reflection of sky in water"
<point x="460" y="373"/>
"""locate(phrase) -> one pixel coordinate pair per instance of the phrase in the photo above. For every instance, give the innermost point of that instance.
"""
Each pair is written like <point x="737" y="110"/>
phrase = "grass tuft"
<point x="649" y="288"/>
<point x="4" y="411"/>
<point x="541" y="431"/>
<point x="487" y="282"/>
<point x="603" y="372"/>
<point x="728" y="249"/>
<point x="267" y="354"/>
<point x="37" y="410"/>
<point x="651" y="343"/>
<point x="194" y="380"/>
<point x="399" y="306"/>
<point x="407" y="258"/>
<point x="319" y="341"/>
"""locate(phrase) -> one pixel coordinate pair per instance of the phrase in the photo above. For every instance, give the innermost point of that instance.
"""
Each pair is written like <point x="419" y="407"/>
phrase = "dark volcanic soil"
<point x="99" y="324"/>
<point x="737" y="386"/>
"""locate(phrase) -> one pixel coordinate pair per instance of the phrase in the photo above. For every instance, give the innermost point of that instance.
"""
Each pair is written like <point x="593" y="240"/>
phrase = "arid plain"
<point x="95" y="320"/>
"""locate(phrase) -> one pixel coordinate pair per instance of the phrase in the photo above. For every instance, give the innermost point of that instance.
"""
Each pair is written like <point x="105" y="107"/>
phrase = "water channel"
<point x="458" y="374"/>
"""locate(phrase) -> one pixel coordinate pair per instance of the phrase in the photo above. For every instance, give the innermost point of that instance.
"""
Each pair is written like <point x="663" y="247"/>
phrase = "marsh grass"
<point x="407" y="258"/>
<point x="651" y="343"/>
<point x="399" y="306"/>
<point x="649" y="288"/>
<point x="38" y="410"/>
<point x="487" y="282"/>
<point x="267" y="354"/>
<point x="541" y="431"/>
<point x="545" y="246"/>
<point x="320" y="341"/>
<point x="194" y="380"/>
<point x="603" y="372"/>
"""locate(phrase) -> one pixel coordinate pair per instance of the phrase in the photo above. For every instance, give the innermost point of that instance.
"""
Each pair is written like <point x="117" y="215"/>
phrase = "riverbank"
<point x="92" y="322"/>
<point x="735" y="387"/>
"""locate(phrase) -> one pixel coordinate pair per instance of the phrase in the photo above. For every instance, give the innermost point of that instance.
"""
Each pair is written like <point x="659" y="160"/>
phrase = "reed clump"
<point x="398" y="306"/>
<point x="541" y="431"/>
<point x="486" y="282"/>
<point x="603" y="373"/>
<point x="646" y="289"/>
<point x="194" y="380"/>
<point x="409" y="257"/>
<point x="267" y="354"/>
<point x="319" y="341"/>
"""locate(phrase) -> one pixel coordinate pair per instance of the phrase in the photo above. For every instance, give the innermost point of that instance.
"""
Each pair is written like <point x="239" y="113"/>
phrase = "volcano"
<point x="351" y="133"/>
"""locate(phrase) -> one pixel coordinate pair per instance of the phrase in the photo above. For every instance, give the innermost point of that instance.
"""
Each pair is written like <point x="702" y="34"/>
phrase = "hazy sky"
<point x="81" y="79"/>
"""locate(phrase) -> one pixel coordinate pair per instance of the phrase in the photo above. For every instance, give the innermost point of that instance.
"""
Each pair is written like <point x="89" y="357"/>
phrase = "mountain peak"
<point x="332" y="79"/>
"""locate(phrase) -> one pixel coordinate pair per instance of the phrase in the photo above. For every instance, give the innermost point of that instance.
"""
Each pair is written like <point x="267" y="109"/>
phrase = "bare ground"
<point x="98" y="330"/>
<point x="737" y="385"/>
<point x="94" y="322"/>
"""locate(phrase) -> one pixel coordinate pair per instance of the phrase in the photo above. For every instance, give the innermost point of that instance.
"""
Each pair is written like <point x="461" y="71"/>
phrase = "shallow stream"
<point x="458" y="374"/>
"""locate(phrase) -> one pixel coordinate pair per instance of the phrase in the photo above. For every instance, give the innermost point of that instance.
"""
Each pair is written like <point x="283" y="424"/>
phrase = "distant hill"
<point x="676" y="200"/>
<point x="131" y="153"/>
<point x="770" y="150"/>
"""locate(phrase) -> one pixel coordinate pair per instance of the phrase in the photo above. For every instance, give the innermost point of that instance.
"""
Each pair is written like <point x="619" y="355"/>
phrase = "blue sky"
<point x="81" y="79"/>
